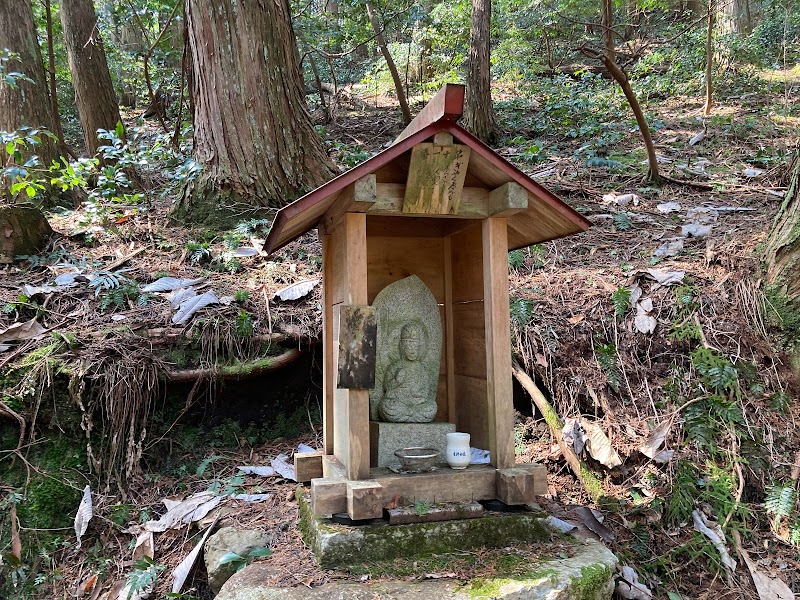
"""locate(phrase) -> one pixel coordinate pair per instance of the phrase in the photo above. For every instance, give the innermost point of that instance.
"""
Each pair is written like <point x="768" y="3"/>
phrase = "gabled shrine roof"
<point x="546" y="217"/>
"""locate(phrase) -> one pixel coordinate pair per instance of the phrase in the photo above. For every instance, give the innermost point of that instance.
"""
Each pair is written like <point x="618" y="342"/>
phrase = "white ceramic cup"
<point x="458" y="453"/>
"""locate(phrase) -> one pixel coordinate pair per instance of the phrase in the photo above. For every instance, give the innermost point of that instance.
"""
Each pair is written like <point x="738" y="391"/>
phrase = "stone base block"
<point x="342" y="546"/>
<point x="386" y="438"/>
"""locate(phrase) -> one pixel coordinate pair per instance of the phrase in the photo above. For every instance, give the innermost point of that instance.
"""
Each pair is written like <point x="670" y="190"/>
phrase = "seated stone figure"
<point x="407" y="397"/>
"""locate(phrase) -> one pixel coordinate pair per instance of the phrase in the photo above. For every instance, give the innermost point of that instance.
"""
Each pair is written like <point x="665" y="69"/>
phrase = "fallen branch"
<point x="246" y="370"/>
<point x="589" y="480"/>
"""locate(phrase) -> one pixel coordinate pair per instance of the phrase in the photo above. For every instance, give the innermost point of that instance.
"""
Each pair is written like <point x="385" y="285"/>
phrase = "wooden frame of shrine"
<point x="441" y="205"/>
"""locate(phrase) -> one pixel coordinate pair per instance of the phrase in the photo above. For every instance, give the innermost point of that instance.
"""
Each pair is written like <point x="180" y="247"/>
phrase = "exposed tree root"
<point x="12" y="414"/>
<point x="589" y="480"/>
<point x="244" y="370"/>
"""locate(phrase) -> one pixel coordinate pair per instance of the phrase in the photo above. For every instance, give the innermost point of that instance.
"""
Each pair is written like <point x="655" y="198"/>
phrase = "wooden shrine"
<point x="441" y="205"/>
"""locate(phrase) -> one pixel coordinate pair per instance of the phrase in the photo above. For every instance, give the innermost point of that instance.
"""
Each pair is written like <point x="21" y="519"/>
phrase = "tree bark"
<point x="28" y="104"/>
<point x="51" y="72"/>
<point x="734" y="16"/>
<point x="94" y="92"/>
<point x="478" y="110"/>
<point x="709" y="57"/>
<point x="398" y="83"/>
<point x="781" y="259"/>
<point x="253" y="136"/>
<point x="607" y="22"/>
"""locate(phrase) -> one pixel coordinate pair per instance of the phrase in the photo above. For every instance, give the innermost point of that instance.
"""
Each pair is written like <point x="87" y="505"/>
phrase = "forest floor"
<point x="692" y="346"/>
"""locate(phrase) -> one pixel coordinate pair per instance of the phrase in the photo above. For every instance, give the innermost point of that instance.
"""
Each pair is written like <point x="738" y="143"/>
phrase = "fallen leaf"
<point x="86" y="585"/>
<point x="587" y="518"/>
<point x="717" y="537"/>
<point x="297" y="290"/>
<point x="168" y="284"/>
<point x="84" y="514"/>
<point x="19" y="332"/>
<point x="768" y="588"/>
<point x="190" y="306"/>
<point x="180" y="295"/>
<point x="282" y="467"/>
<point x="144" y="546"/>
<point x="695" y="230"/>
<point x="261" y="471"/>
<point x="252" y="497"/>
<point x="666" y="277"/>
<point x="751" y="172"/>
<point x="599" y="446"/>
<point x="560" y="525"/>
<point x="656" y="439"/>
<point x="576" y="319"/>
<point x="644" y="323"/>
<point x="697" y="138"/>
<point x="629" y="586"/>
<point x="182" y="571"/>
<point x="669" y="248"/>
<point x="184" y="512"/>
<point x="573" y="435"/>
<point x="668" y="207"/>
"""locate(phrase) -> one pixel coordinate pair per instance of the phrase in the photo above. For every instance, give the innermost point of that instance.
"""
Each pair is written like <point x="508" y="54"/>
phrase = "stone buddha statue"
<point x="407" y="397"/>
<point x="409" y="350"/>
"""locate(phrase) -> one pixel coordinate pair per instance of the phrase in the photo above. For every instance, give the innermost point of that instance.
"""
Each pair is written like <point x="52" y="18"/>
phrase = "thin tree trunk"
<point x="28" y="104"/>
<point x="607" y="18"/>
<point x="253" y="135"/>
<point x="709" y="57"/>
<point x="94" y="92"/>
<point x="478" y="110"/>
<point x="621" y="77"/>
<point x="157" y="102"/>
<point x="398" y="83"/>
<point x="781" y="258"/>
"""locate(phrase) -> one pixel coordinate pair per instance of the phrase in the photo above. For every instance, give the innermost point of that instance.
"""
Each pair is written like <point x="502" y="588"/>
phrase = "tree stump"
<point x="23" y="230"/>
<point x="781" y="259"/>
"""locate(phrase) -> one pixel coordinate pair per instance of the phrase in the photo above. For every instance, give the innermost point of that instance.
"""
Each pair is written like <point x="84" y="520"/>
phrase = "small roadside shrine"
<point x="416" y="326"/>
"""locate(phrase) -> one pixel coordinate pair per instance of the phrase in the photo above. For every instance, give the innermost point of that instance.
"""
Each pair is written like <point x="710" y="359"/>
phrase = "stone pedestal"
<point x="386" y="438"/>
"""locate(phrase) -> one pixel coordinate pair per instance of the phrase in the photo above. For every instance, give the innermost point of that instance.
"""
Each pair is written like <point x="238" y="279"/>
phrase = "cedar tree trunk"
<point x="478" y="110"/>
<point x="28" y="103"/>
<point x="782" y="262"/>
<point x="253" y="135"/>
<point x="94" y="92"/>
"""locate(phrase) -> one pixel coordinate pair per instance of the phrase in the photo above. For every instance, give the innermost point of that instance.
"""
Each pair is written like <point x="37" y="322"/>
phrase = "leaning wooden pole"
<point x="590" y="482"/>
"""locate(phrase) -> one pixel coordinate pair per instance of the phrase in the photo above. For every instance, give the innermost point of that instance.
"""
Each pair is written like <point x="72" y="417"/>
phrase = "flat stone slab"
<point x="386" y="438"/>
<point x="588" y="575"/>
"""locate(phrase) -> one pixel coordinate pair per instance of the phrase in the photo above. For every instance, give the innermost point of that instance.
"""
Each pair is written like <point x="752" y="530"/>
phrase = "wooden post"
<point x="354" y="404"/>
<point x="498" y="342"/>
<point x="327" y="345"/>
<point x="450" y="361"/>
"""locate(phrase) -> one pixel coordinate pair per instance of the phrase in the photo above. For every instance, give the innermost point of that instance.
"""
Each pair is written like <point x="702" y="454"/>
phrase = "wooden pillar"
<point x="328" y="374"/>
<point x="498" y="342"/>
<point x="351" y="410"/>
<point x="450" y="361"/>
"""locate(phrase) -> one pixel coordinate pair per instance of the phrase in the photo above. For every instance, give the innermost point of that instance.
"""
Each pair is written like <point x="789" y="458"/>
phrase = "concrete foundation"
<point x="386" y="438"/>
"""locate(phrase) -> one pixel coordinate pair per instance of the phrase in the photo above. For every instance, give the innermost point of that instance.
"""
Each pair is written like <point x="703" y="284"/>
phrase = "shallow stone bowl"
<point x="417" y="459"/>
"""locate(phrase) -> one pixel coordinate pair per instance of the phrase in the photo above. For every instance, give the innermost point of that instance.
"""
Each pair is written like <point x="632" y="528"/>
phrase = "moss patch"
<point x="592" y="580"/>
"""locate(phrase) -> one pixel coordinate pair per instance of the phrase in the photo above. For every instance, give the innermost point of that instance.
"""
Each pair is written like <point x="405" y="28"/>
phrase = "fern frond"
<point x="780" y="501"/>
